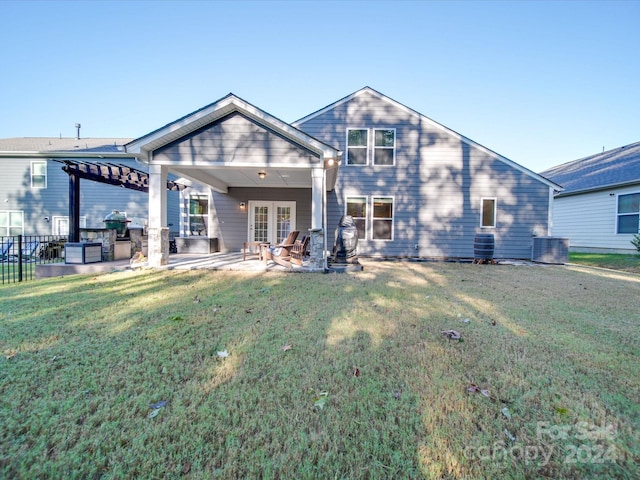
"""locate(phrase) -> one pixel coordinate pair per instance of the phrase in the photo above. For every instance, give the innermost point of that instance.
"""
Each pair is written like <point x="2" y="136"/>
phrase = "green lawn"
<point x="327" y="376"/>
<point x="614" y="261"/>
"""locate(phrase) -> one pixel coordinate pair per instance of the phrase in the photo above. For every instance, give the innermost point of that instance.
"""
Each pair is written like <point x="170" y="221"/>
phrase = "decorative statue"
<point x="346" y="241"/>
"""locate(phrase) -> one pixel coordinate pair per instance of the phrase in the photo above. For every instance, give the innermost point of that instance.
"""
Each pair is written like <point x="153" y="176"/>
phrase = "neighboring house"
<point x="34" y="192"/>
<point x="414" y="187"/>
<point x="599" y="209"/>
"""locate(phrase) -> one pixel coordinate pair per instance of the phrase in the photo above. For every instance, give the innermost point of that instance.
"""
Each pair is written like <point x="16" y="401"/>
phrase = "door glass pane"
<point x="283" y="223"/>
<point x="261" y="224"/>
<point x="198" y="214"/>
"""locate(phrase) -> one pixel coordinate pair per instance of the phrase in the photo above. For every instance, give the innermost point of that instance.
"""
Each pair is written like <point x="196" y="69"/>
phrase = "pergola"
<point x="108" y="173"/>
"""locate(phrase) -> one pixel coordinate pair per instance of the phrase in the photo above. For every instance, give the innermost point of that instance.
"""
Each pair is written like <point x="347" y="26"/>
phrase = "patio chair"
<point x="30" y="251"/>
<point x="6" y="249"/>
<point x="281" y="253"/>
<point x="300" y="250"/>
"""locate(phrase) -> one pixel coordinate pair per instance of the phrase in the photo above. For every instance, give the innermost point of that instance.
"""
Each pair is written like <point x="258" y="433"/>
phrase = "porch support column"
<point x="317" y="237"/>
<point x="158" y="231"/>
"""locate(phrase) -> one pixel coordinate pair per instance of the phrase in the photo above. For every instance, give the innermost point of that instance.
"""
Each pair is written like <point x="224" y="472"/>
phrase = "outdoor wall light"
<point x="46" y="219"/>
<point x="243" y="206"/>
<point x="262" y="174"/>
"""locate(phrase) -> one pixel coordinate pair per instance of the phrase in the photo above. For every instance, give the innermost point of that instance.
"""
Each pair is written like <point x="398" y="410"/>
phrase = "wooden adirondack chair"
<point x="281" y="253"/>
<point x="300" y="250"/>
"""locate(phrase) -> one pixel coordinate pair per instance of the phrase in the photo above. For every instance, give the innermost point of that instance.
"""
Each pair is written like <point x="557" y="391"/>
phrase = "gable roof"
<point x="217" y="110"/>
<point x="462" y="138"/>
<point x="613" y="168"/>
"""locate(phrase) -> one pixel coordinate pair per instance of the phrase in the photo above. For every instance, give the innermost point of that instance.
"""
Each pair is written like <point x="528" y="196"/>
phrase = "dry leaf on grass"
<point x="223" y="354"/>
<point x="11" y="354"/>
<point x="356" y="372"/>
<point x="473" y="388"/>
<point x="284" y="348"/>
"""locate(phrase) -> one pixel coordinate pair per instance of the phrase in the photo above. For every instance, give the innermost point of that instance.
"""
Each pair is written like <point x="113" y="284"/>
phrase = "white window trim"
<point x="365" y="147"/>
<point x="395" y="141"/>
<point x="495" y="211"/>
<point x="393" y="218"/>
<point x="616" y="226"/>
<point x="6" y="229"/>
<point x="366" y="217"/>
<point x="31" y="174"/>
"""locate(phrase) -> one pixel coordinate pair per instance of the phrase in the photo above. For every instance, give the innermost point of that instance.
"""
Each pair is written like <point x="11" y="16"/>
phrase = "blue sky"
<point x="539" y="82"/>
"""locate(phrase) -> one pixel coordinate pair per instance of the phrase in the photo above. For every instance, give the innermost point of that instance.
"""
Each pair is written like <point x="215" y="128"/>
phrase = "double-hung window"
<point x="357" y="146"/>
<point x="39" y="174"/>
<point x="384" y="146"/>
<point x="488" y="212"/>
<point x="198" y="214"/>
<point x="357" y="208"/>
<point x="11" y="223"/>
<point x="629" y="213"/>
<point x="379" y="215"/>
<point x="382" y="218"/>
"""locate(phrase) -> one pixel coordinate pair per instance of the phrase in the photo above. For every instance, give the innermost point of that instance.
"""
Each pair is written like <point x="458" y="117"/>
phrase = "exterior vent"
<point x="550" y="250"/>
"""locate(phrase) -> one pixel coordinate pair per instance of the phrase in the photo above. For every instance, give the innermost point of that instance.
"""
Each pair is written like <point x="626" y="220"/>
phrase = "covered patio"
<point x="240" y="155"/>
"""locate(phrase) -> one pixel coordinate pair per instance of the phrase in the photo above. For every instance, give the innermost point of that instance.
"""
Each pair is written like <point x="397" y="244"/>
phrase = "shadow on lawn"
<point x="92" y="353"/>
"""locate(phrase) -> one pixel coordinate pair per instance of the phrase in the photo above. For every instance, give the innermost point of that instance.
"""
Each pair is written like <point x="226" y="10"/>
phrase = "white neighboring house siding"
<point x="589" y="221"/>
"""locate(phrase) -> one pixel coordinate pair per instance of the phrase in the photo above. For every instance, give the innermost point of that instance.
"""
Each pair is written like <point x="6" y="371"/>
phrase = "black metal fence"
<point x="20" y="255"/>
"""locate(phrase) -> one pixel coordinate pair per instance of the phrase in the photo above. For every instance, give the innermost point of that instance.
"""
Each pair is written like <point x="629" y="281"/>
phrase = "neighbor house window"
<point x="382" y="218"/>
<point x="357" y="146"/>
<point x="198" y="214"/>
<point x="60" y="224"/>
<point x="629" y="213"/>
<point x="11" y="223"/>
<point x="357" y="208"/>
<point x="39" y="174"/>
<point x="384" y="146"/>
<point x="488" y="213"/>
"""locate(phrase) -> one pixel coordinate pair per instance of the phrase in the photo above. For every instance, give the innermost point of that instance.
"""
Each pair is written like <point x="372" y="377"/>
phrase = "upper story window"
<point x="488" y="213"/>
<point x="11" y="223"/>
<point x="39" y="174"/>
<point x="629" y="213"/>
<point x="357" y="146"/>
<point x="384" y="147"/>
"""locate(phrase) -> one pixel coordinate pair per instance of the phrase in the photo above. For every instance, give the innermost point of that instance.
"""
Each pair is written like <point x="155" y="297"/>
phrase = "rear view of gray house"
<point x="415" y="188"/>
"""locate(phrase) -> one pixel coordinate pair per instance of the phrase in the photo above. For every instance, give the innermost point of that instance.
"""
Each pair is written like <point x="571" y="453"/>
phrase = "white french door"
<point x="271" y="221"/>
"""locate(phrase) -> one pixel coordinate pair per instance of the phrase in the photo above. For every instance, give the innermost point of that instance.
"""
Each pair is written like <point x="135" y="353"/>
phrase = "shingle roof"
<point x="617" y="167"/>
<point x="55" y="144"/>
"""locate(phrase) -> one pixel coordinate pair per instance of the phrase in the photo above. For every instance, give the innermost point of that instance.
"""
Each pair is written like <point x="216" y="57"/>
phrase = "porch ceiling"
<point x="220" y="178"/>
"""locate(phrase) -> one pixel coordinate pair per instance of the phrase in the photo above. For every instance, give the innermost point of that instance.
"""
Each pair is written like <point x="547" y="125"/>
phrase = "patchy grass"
<point x="613" y="261"/>
<point x="369" y="387"/>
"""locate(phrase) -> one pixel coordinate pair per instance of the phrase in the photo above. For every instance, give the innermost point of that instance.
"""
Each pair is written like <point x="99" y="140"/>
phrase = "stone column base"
<point x="316" y="249"/>
<point x="158" y="246"/>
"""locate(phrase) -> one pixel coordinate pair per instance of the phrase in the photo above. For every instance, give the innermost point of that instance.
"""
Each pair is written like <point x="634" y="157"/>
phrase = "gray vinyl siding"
<point x="437" y="184"/>
<point x="234" y="137"/>
<point x="96" y="200"/>
<point x="230" y="225"/>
